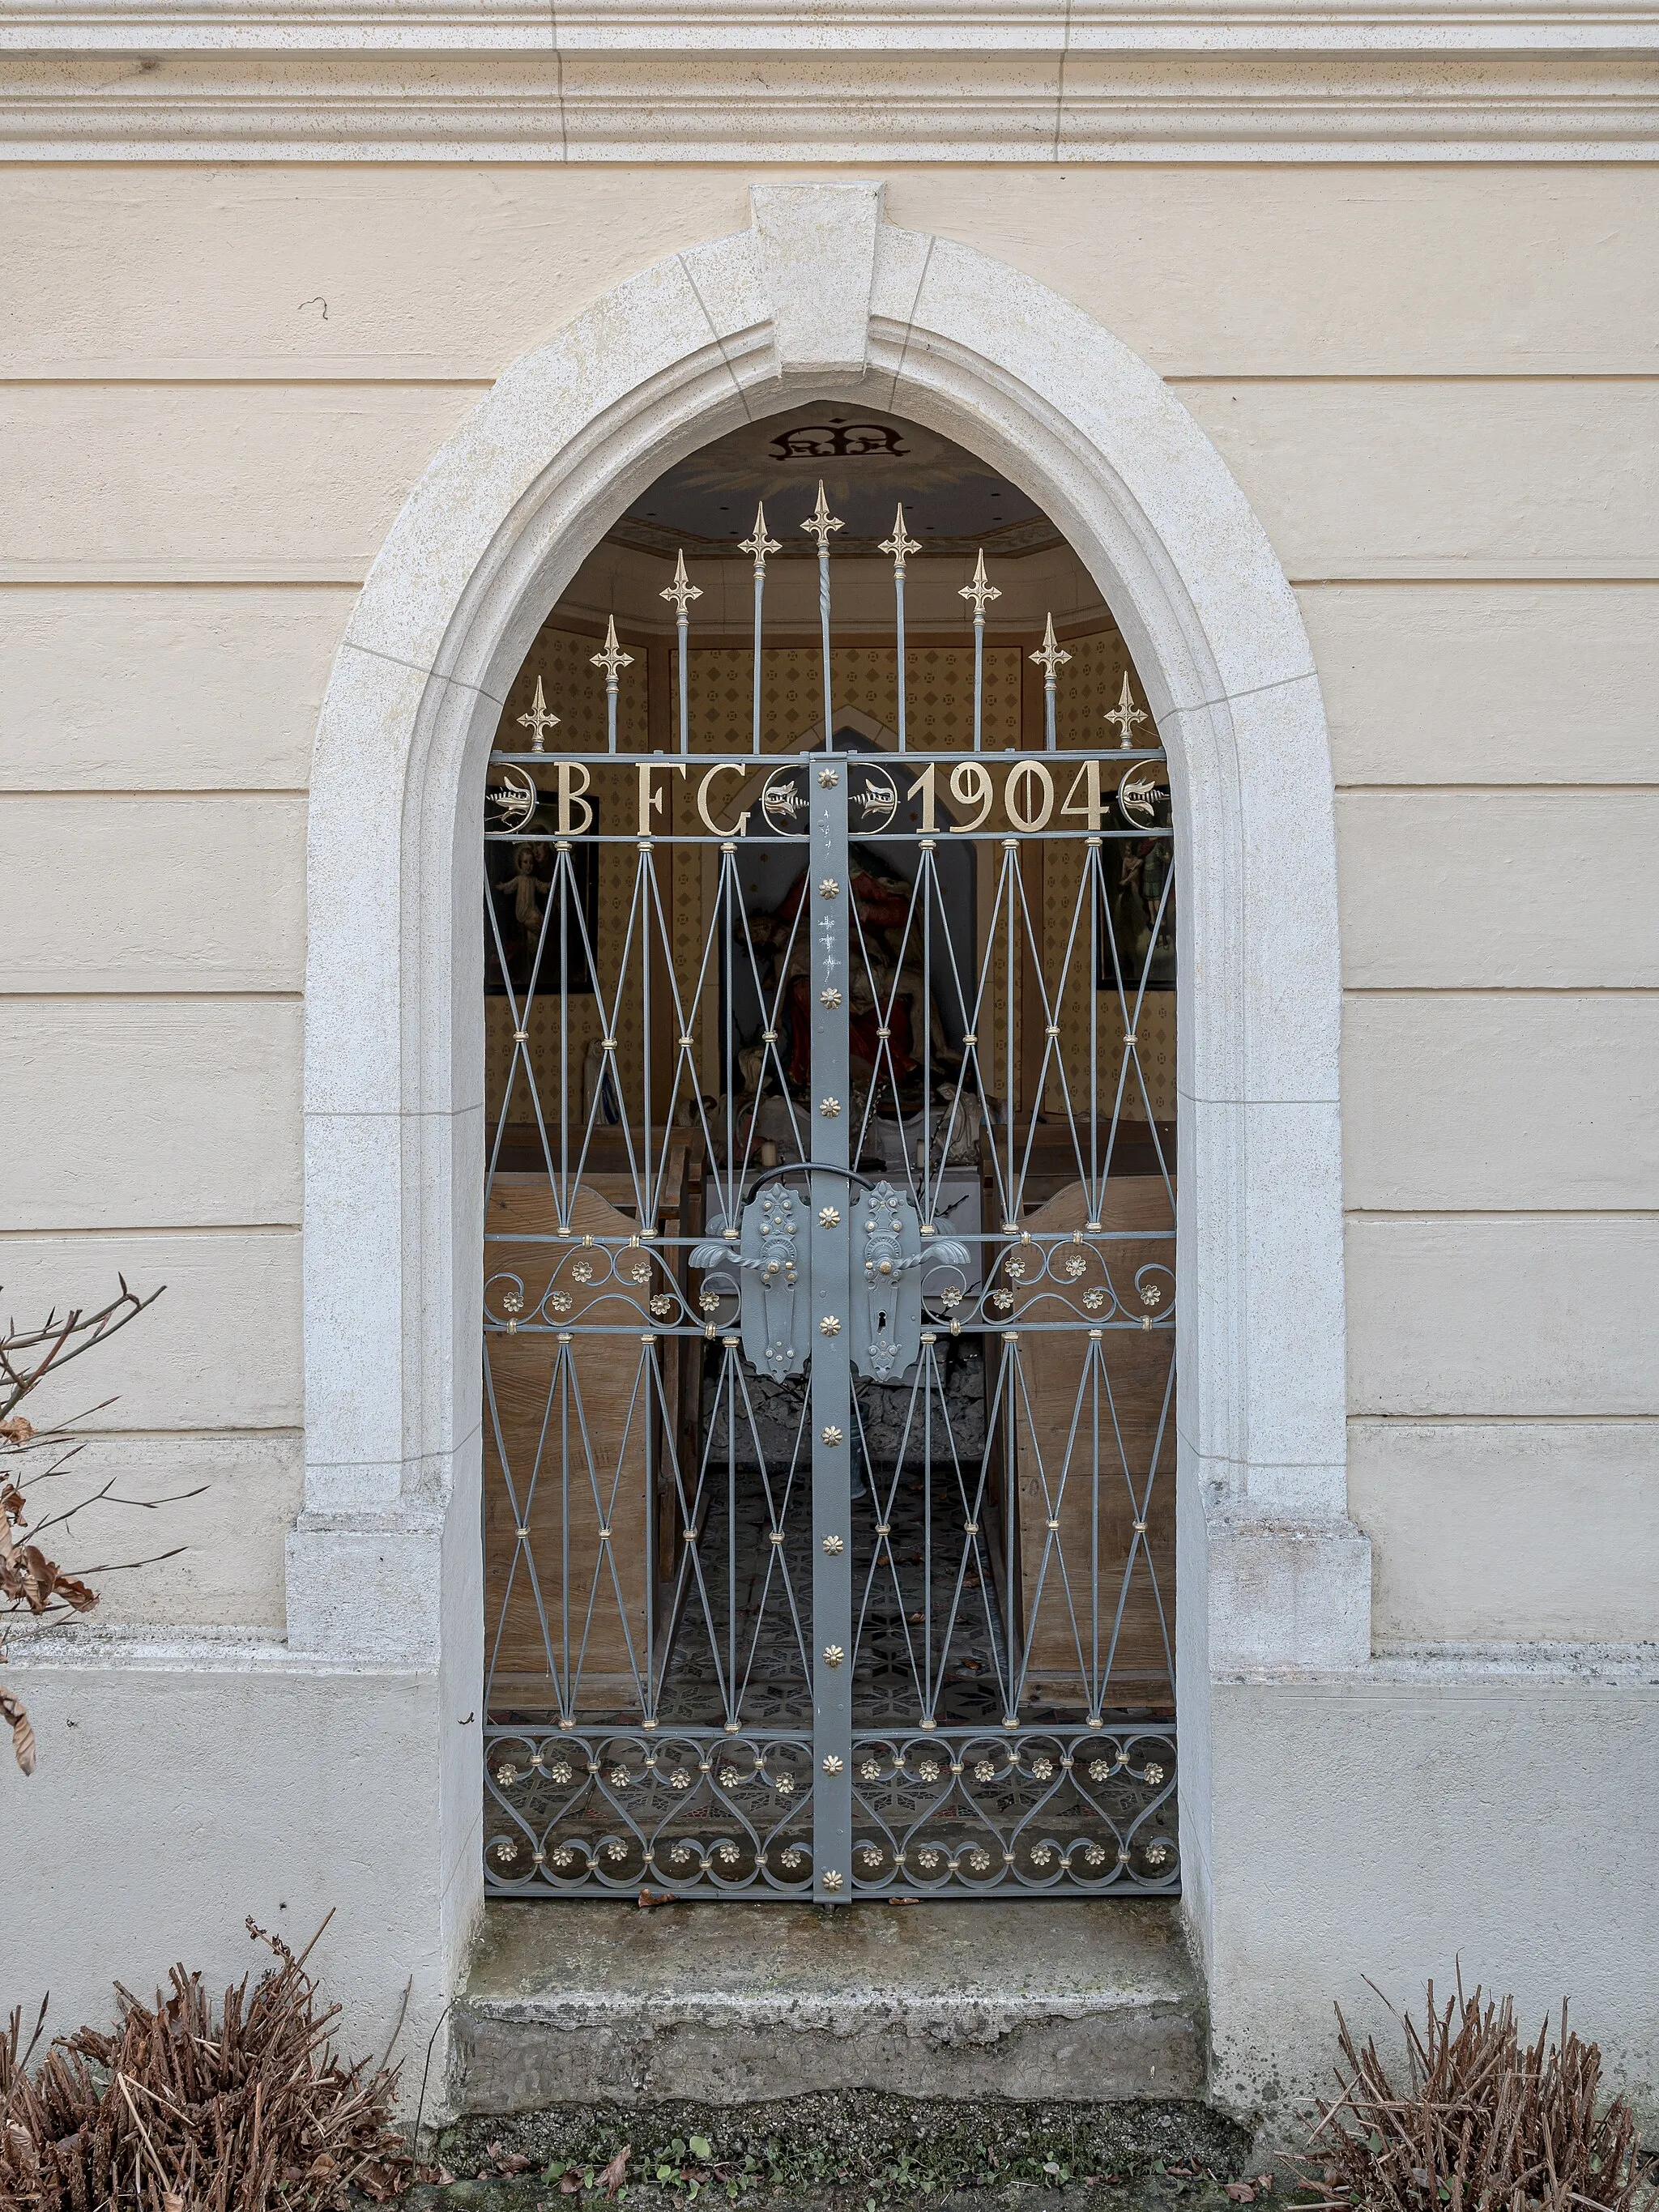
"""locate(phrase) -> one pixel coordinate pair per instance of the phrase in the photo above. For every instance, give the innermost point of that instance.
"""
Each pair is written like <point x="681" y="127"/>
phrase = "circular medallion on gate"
<point x="511" y="797"/>
<point x="875" y="802"/>
<point x="784" y="803"/>
<point x="1142" y="799"/>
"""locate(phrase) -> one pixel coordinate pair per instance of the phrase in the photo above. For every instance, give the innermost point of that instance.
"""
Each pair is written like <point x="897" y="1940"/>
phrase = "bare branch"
<point x="59" y="1340"/>
<point x="28" y="1579"/>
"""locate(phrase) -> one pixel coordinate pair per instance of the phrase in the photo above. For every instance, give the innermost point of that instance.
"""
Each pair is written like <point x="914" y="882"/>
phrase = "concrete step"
<point x="736" y="2004"/>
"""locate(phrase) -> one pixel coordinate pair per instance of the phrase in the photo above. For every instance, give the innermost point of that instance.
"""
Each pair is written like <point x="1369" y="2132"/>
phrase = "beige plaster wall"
<point x="1439" y="387"/>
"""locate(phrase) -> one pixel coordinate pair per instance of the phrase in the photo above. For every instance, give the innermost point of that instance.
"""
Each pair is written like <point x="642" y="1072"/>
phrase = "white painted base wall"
<point x="181" y="1787"/>
<point x="1386" y="1824"/>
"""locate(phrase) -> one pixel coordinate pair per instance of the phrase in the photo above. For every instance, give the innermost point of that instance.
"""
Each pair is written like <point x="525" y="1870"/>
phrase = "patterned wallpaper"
<point x="938" y="688"/>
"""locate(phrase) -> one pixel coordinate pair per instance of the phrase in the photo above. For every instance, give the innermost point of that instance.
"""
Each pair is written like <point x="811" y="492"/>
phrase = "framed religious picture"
<point x="1137" y="938"/>
<point x="526" y="915"/>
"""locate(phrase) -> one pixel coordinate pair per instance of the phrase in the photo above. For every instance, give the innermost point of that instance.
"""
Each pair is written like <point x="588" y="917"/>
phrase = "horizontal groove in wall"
<point x="1503" y="990"/>
<point x="1431" y="1214"/>
<point x="84" y="583"/>
<point x="265" y="573"/>
<point x="1532" y="583"/>
<point x="219" y="996"/>
<point x="1578" y="789"/>
<point x="478" y="380"/>
<point x="184" y="791"/>
<point x="1503" y="1420"/>
<point x="228" y="1437"/>
<point x="106" y="1231"/>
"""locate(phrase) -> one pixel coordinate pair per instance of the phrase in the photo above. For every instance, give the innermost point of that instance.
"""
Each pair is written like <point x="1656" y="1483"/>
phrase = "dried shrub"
<point x="1484" y="2123"/>
<point x="237" y="2112"/>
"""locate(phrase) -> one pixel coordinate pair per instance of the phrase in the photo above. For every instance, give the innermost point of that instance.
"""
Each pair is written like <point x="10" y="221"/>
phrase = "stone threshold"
<point x="575" y="2003"/>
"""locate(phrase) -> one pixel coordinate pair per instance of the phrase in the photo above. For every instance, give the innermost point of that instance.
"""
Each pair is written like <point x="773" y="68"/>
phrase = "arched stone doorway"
<point x="819" y="296"/>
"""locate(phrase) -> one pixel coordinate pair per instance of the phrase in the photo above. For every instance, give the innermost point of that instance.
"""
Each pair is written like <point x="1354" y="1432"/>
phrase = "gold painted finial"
<point x="980" y="589"/>
<point x="682" y="590"/>
<point x="821" y="522"/>
<point x="899" y="545"/>
<point x="760" y="544"/>
<point x="613" y="658"/>
<point x="1053" y="655"/>
<point x="1124" y="716"/>
<point x="538" y="721"/>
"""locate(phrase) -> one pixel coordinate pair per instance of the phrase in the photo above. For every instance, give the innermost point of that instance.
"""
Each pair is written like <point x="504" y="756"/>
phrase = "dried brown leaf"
<point x="1241" y="2192"/>
<point x="15" y="1716"/>
<point x="612" y="2179"/>
<point x="42" y="1580"/>
<point x="19" y="1430"/>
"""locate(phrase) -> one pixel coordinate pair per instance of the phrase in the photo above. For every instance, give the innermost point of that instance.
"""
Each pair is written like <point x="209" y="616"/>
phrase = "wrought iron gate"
<point x="829" y="1308"/>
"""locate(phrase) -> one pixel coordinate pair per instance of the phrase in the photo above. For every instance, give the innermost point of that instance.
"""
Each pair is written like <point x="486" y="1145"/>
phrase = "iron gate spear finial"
<point x="1124" y="715"/>
<point x="1050" y="660"/>
<point x="538" y="721"/>
<point x="682" y="592"/>
<point x="613" y="660"/>
<point x="978" y="594"/>
<point x="821" y="522"/>
<point x="760" y="545"/>
<point x="901" y="545"/>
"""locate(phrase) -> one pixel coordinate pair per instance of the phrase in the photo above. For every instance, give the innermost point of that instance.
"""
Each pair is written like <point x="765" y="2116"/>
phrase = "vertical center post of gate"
<point x="834" y="1437"/>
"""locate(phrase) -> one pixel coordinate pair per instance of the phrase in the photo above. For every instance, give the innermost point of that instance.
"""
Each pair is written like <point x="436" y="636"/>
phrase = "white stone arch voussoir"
<point x="820" y="296"/>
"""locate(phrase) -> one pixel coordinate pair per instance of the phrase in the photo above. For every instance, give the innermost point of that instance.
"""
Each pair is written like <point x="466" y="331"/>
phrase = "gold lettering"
<point x="924" y="784"/>
<point x="1088" y="776"/>
<point x="570" y="798"/>
<point x="1035" y="816"/>
<point x="971" y="785"/>
<point x="741" y="829"/>
<point x="651" y="801"/>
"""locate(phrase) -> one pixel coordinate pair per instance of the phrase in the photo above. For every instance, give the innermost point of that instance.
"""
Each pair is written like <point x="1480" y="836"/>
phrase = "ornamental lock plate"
<point x="768" y="1264"/>
<point x="886" y="1285"/>
<point x="768" y="1260"/>
<point x="777" y="1323"/>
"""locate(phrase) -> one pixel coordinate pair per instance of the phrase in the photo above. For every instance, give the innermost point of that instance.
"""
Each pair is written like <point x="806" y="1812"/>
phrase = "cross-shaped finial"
<point x="613" y="657"/>
<point x="1053" y="656"/>
<point x="979" y="591"/>
<point x="682" y="590"/>
<point x="1124" y="716"/>
<point x="538" y="721"/>
<point x="760" y="544"/>
<point x="899" y="545"/>
<point x="821" y="522"/>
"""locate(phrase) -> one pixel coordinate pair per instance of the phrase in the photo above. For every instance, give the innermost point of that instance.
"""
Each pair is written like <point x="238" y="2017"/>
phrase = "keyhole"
<point x="881" y="1324"/>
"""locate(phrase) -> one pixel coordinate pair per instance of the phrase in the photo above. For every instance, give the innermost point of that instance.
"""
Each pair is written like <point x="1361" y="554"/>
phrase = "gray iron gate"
<point x="829" y="1310"/>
